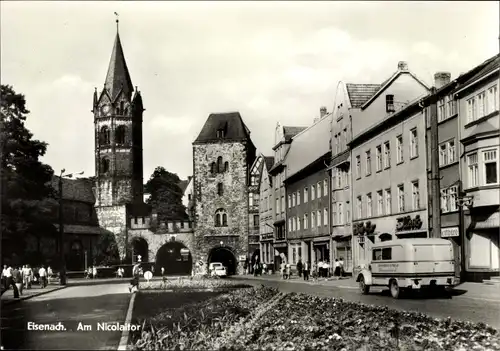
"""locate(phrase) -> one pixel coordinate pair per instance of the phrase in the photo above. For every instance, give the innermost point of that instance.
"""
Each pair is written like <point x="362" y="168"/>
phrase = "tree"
<point x="27" y="196"/>
<point x="106" y="252"/>
<point x="165" y="195"/>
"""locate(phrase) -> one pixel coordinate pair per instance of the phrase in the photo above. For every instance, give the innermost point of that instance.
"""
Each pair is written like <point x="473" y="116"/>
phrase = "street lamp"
<point x="463" y="201"/>
<point x="62" y="273"/>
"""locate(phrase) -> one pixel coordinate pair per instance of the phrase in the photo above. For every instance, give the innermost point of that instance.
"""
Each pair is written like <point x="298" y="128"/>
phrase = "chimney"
<point x="402" y="66"/>
<point x="441" y="79"/>
<point x="322" y="112"/>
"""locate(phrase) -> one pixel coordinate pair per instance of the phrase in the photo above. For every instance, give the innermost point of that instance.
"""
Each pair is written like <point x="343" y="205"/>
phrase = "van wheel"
<point x="365" y="289"/>
<point x="395" y="290"/>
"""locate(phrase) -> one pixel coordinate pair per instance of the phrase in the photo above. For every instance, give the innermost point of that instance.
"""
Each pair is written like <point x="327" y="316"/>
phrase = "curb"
<point x="299" y="281"/>
<point x="123" y="345"/>
<point x="9" y="302"/>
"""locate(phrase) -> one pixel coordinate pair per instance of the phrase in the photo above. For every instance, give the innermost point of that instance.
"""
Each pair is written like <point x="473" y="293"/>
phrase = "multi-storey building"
<point x="443" y="154"/>
<point x="388" y="145"/>
<point x="478" y="101"/>
<point x="222" y="156"/>
<point x="307" y="185"/>
<point x="282" y="140"/>
<point x="348" y="97"/>
<point x="266" y="197"/>
<point x="256" y="170"/>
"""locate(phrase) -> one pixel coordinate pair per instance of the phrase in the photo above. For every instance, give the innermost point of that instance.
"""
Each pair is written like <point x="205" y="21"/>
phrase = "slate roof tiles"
<point x="232" y="124"/>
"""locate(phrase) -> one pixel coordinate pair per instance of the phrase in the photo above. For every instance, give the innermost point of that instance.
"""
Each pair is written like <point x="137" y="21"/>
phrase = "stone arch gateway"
<point x="226" y="256"/>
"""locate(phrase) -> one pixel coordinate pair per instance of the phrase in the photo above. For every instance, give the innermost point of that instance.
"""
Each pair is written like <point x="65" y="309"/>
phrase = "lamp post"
<point x="62" y="273"/>
<point x="463" y="201"/>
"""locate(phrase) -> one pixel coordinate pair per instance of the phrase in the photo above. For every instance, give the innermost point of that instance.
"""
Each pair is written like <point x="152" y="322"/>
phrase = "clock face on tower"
<point x="105" y="109"/>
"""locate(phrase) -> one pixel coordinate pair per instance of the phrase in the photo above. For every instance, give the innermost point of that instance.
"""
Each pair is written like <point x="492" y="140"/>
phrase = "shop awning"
<point x="411" y="232"/>
<point x="321" y="238"/>
<point x="280" y="245"/>
<point x="492" y="222"/>
<point x="340" y="237"/>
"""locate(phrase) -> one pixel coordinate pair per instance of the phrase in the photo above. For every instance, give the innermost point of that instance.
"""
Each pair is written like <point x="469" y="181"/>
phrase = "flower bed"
<point x="187" y="284"/>
<point x="195" y="326"/>
<point x="304" y="322"/>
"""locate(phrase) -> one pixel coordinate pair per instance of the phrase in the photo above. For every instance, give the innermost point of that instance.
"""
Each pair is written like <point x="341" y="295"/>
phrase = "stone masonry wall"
<point x="114" y="219"/>
<point x="156" y="241"/>
<point x="234" y="200"/>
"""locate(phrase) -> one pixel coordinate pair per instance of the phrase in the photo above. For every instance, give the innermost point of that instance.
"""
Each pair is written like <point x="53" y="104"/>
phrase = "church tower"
<point x="118" y="114"/>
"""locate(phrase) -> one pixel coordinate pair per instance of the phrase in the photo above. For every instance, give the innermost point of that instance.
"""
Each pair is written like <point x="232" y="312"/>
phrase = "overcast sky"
<point x="271" y="61"/>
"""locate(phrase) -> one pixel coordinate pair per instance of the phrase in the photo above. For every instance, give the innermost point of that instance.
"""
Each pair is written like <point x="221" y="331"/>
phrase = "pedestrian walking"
<point x="42" y="272"/>
<point x="17" y="276"/>
<point x="306" y="270"/>
<point x="314" y="271"/>
<point x="341" y="261"/>
<point x="94" y="272"/>
<point x="49" y="273"/>
<point x="10" y="281"/>
<point x="162" y="271"/>
<point x="136" y="274"/>
<point x="299" y="267"/>
<point x="327" y="267"/>
<point x="4" y="277"/>
<point x="337" y="269"/>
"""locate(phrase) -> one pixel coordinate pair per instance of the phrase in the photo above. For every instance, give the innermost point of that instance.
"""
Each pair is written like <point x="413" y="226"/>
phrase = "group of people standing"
<point x="23" y="277"/>
<point x="322" y="269"/>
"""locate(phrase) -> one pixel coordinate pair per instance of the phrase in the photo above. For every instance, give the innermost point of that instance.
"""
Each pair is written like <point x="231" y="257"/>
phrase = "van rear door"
<point x="433" y="258"/>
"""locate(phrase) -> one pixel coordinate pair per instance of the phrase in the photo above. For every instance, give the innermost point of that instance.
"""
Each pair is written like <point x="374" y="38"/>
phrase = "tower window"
<point x="221" y="218"/>
<point x="219" y="164"/>
<point x="389" y="103"/>
<point x="104" y="165"/>
<point x="220" y="133"/>
<point x="220" y="189"/>
<point x="104" y="136"/>
<point x="226" y="166"/>
<point x="213" y="168"/>
<point x="120" y="134"/>
<point x="122" y="107"/>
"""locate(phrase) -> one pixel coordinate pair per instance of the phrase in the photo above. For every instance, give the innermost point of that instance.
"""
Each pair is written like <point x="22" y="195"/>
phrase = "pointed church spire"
<point x="118" y="75"/>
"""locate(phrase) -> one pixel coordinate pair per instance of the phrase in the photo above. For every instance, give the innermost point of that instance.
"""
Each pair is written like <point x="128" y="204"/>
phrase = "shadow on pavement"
<point x="425" y="294"/>
<point x="69" y="311"/>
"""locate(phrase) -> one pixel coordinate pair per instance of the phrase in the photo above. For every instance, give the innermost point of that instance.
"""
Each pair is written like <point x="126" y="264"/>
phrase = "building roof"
<point x="289" y="132"/>
<point x="488" y="66"/>
<point x="118" y="76"/>
<point x="269" y="161"/>
<point x="232" y="124"/>
<point x="361" y="93"/>
<point x="308" y="146"/>
<point x="75" y="189"/>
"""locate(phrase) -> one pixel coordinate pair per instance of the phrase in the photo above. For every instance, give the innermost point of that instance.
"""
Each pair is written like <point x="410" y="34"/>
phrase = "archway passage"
<point x="224" y="256"/>
<point x="175" y="258"/>
<point x="140" y="248"/>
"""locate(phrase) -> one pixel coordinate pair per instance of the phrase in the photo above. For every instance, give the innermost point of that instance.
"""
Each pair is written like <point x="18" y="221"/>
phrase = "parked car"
<point x="218" y="269"/>
<point x="409" y="264"/>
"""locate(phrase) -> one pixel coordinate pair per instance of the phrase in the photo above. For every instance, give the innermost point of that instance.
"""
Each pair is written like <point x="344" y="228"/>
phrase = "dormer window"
<point x="389" y="103"/>
<point x="220" y="133"/>
<point x="122" y="107"/>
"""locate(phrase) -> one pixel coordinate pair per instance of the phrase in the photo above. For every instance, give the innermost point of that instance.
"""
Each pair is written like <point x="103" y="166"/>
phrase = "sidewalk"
<point x="8" y="296"/>
<point x="466" y="290"/>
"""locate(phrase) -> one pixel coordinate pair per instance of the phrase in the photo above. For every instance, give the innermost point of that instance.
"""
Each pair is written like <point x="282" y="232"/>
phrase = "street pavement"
<point x="88" y="304"/>
<point x="468" y="302"/>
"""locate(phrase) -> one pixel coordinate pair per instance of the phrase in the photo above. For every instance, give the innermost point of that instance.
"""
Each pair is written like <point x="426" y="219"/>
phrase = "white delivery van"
<point x="409" y="264"/>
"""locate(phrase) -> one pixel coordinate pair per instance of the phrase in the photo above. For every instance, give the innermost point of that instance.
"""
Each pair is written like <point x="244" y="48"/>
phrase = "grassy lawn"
<point x="263" y="319"/>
